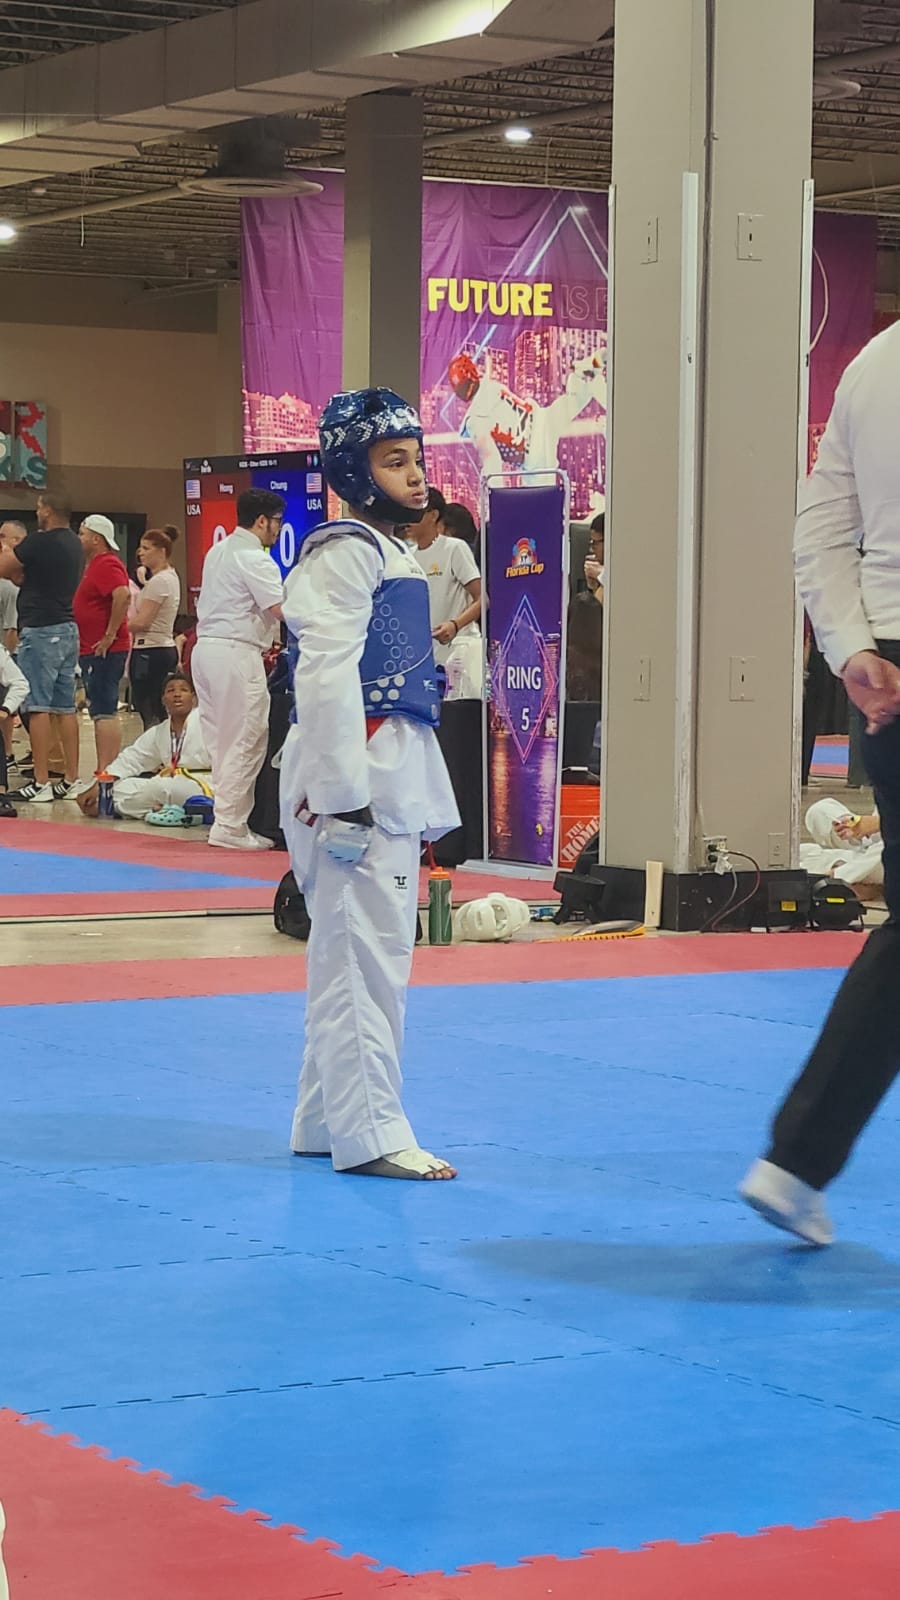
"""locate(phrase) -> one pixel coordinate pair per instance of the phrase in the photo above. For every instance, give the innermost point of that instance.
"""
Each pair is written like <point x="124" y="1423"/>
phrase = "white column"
<point x="712" y="145"/>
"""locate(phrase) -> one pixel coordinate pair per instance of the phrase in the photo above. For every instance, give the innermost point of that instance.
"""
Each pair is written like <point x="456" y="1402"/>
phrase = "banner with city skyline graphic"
<point x="514" y="310"/>
<point x="514" y="305"/>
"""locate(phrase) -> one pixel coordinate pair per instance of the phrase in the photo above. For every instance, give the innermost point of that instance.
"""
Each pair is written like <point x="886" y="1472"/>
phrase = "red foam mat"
<point x="83" y="1527"/>
<point x="457" y="964"/>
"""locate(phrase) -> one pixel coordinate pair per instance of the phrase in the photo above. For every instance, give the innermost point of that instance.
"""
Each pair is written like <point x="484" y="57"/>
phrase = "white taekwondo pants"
<point x="134" y="797"/>
<point x="233" y="701"/>
<point x="358" y="964"/>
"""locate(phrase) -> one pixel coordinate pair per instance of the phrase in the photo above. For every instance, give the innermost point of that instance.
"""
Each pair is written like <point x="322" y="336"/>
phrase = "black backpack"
<point x="291" y="915"/>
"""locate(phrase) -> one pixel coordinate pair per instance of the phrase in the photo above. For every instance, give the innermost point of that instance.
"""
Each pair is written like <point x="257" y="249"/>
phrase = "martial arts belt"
<point x="185" y="772"/>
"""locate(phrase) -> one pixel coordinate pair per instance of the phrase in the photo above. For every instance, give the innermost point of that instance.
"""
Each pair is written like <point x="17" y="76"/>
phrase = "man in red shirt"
<point x="101" y="606"/>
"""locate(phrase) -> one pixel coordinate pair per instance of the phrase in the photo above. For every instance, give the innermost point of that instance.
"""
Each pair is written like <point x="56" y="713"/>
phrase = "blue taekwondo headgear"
<point x="348" y="426"/>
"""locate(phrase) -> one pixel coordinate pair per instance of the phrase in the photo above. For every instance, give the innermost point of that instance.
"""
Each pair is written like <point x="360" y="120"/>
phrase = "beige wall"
<point x="132" y="385"/>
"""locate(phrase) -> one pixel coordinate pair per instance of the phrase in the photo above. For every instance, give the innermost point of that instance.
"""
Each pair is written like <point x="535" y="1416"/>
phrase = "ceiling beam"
<point x="250" y="60"/>
<point x="865" y="175"/>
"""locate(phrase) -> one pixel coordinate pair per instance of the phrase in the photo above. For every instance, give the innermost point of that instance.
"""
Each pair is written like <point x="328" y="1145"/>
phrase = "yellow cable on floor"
<point x="630" y="930"/>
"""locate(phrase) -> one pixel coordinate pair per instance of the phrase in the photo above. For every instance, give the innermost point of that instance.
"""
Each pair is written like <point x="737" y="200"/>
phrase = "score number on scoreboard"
<point x="213" y="484"/>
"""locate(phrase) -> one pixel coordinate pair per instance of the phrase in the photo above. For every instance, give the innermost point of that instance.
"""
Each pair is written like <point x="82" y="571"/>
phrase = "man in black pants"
<point x="847" y="555"/>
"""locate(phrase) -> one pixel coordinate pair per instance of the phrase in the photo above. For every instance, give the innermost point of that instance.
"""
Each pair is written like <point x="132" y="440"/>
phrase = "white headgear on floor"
<point x="496" y="917"/>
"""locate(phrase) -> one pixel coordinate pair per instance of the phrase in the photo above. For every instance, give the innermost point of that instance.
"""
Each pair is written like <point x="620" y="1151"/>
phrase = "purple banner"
<point x="843" y="306"/>
<point x="514" y="281"/>
<point x="514" y="299"/>
<point x="525" y="544"/>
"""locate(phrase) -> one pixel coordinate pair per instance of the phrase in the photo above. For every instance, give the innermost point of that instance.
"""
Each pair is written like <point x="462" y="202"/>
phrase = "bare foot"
<point x="413" y="1163"/>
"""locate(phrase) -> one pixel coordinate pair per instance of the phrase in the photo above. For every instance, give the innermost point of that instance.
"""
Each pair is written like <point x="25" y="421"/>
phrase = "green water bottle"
<point x="440" y="907"/>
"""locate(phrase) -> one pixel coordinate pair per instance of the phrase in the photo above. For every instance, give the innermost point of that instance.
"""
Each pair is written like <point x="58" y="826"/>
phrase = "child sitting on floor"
<point x="167" y="765"/>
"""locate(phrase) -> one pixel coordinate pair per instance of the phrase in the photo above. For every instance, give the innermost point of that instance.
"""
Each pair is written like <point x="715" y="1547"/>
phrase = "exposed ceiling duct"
<point x="831" y="81"/>
<point x="79" y="110"/>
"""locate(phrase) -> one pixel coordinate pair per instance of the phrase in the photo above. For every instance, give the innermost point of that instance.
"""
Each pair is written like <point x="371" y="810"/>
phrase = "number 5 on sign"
<point x="525" y="724"/>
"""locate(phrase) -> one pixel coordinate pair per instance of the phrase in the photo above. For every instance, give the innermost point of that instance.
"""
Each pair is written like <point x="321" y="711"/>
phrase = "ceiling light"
<point x="517" y="133"/>
<point x="7" y="232"/>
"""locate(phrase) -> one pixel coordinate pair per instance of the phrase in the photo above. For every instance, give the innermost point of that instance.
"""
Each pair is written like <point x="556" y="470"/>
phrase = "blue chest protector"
<point x="397" y="670"/>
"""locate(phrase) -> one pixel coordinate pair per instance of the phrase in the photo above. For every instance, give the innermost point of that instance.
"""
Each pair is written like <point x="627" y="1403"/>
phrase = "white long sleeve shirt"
<point x="154" y="750"/>
<point x="330" y="763"/>
<point x="240" y="584"/>
<point x="13" y="681"/>
<point x="847" y="538"/>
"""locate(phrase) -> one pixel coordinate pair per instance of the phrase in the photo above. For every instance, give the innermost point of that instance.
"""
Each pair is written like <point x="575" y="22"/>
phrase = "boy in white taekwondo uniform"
<point x="173" y="750"/>
<point x="237" y="620"/>
<point x="362" y="782"/>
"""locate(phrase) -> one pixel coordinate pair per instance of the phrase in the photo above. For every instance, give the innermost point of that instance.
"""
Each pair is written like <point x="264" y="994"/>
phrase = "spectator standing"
<point x="11" y="534"/>
<point x="238" y="617"/>
<point x="13" y="689"/>
<point x="47" y="567"/>
<point x="152" y="623"/>
<point x="454" y="595"/>
<point x="101" y="608"/>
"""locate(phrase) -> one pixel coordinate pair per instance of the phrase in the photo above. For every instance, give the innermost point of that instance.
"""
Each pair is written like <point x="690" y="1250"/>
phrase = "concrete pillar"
<point x="229" y="373"/>
<point x="383" y="243"/>
<point x="708" y="297"/>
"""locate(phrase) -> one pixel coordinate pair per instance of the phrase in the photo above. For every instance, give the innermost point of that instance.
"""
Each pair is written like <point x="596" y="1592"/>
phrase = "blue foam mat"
<point x="33" y="872"/>
<point x="630" y="1354"/>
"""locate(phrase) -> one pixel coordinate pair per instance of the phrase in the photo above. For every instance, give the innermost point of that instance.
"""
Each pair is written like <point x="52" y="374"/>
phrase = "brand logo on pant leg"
<point x="400" y="882"/>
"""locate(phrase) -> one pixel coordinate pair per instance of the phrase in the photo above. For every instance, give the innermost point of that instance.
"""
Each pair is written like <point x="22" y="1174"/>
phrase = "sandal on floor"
<point x="167" y="817"/>
<point x="413" y="1163"/>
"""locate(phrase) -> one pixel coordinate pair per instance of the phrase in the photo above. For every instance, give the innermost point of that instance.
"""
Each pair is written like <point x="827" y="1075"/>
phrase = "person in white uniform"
<point x="843" y="846"/>
<point x="167" y="765"/>
<point x="362" y="782"/>
<point x="512" y="434"/>
<point x="238" y="613"/>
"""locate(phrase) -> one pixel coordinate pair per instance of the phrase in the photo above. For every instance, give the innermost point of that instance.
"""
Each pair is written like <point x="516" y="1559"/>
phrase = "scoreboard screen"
<point x="212" y="485"/>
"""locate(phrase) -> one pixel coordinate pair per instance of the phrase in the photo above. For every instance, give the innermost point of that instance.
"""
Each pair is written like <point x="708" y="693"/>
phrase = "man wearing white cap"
<point x="100" y="607"/>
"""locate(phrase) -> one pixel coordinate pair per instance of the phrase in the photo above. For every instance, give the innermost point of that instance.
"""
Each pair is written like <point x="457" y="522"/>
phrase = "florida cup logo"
<point x="525" y="563"/>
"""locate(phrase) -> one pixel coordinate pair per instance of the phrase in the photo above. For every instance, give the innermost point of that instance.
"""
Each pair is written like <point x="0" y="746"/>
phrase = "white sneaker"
<point x="787" y="1202"/>
<point x="237" y="841"/>
<point x="39" y="794"/>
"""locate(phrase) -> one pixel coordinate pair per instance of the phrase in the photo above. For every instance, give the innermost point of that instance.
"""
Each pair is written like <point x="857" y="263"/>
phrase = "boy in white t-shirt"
<point x="454" y="593"/>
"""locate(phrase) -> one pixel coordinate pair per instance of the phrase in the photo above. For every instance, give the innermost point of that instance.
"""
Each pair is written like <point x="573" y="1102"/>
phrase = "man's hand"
<point x="873" y="684"/>
<point x="593" y="573"/>
<point x="857" y="827"/>
<point x="445" y="633"/>
<point x="88" y="801"/>
<point x="101" y="648"/>
<point x="4" y="714"/>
